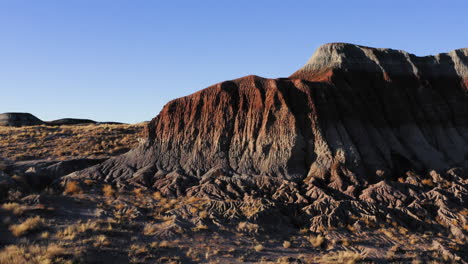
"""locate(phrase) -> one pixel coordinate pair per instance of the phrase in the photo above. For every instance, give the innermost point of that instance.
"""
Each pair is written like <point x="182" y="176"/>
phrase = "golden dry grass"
<point x="200" y="227"/>
<point x="138" y="192"/>
<point x="388" y="233"/>
<point x="428" y="182"/>
<point x="72" y="231"/>
<point x="316" y="241"/>
<point x="108" y="190"/>
<point x="72" y="187"/>
<point x="150" y="229"/>
<point x="259" y="247"/>
<point x="89" y="182"/>
<point x="29" y="225"/>
<point x="15" y="208"/>
<point x="138" y="249"/>
<point x="164" y="244"/>
<point x="345" y="242"/>
<point x="157" y="195"/>
<point x="32" y="254"/>
<point x="344" y="257"/>
<point x="45" y="235"/>
<point x="247" y="227"/>
<point x="101" y="241"/>
<point x="65" y="142"/>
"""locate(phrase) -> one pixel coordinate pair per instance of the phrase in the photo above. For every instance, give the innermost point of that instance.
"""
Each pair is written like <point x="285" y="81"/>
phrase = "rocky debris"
<point x="357" y="137"/>
<point x="6" y="184"/>
<point x="37" y="174"/>
<point x="19" y="119"/>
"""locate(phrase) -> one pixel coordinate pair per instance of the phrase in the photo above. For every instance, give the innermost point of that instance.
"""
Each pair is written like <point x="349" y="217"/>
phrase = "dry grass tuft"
<point x="101" y="241"/>
<point x="345" y="257"/>
<point x="154" y="244"/>
<point x="45" y="235"/>
<point x="388" y="233"/>
<point x="72" y="187"/>
<point x="137" y="249"/>
<point x="200" y="227"/>
<point x="29" y="225"/>
<point x="108" y="190"/>
<point x="316" y="241"/>
<point x="69" y="233"/>
<point x="164" y="244"/>
<point x="402" y="230"/>
<point x="193" y="210"/>
<point x="150" y="229"/>
<point x="427" y="182"/>
<point x="247" y="227"/>
<point x="203" y="214"/>
<point x="351" y="228"/>
<point x="32" y="254"/>
<point x="16" y="208"/>
<point x="72" y="231"/>
<point x="138" y="192"/>
<point x="89" y="182"/>
<point x="157" y="196"/>
<point x="345" y="242"/>
<point x="259" y="247"/>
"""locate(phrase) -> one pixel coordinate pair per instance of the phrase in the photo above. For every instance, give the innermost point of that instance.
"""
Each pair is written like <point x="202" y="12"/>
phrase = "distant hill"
<point x="71" y="121"/>
<point x="27" y="119"/>
<point x="19" y="119"/>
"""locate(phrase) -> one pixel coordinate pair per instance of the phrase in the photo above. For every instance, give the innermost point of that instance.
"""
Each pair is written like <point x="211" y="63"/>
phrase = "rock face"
<point x="40" y="173"/>
<point x="19" y="119"/>
<point x="353" y="132"/>
<point x="368" y="109"/>
<point x="35" y="175"/>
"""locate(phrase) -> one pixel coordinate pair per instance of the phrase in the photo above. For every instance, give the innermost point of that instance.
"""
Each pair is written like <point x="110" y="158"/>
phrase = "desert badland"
<point x="360" y="156"/>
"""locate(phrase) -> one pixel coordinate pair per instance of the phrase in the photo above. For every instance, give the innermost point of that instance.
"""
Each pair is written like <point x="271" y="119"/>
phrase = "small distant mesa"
<point x="27" y="119"/>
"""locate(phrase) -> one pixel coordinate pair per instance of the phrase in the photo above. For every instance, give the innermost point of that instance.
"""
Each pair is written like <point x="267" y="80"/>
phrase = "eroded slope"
<point x="357" y="137"/>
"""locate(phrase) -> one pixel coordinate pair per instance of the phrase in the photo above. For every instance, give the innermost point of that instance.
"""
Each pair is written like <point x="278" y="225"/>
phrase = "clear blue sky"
<point x="122" y="60"/>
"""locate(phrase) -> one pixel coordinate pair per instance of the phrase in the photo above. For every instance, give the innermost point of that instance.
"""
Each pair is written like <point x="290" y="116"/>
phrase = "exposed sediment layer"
<point x="354" y="132"/>
<point x="378" y="109"/>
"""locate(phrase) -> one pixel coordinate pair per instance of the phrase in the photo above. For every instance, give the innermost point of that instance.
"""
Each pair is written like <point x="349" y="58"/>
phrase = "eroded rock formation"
<point x="19" y="119"/>
<point x="358" y="134"/>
